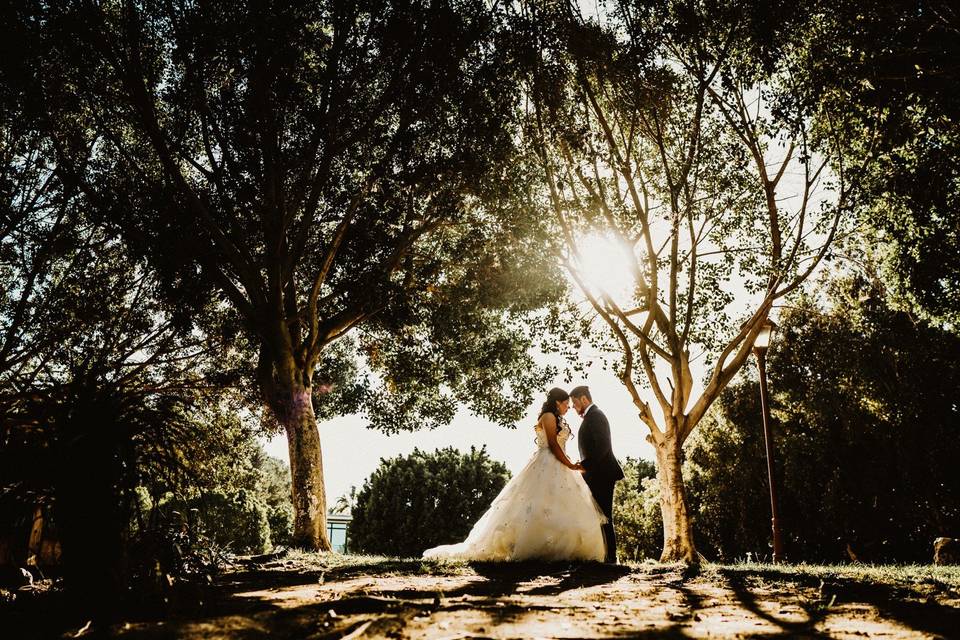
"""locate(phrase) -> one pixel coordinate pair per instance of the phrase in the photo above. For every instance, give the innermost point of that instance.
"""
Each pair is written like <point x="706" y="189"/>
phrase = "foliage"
<point x="414" y="502"/>
<point x="48" y="251"/>
<point x="235" y="522"/>
<point x="104" y="399"/>
<point x="224" y="491"/>
<point x="274" y="487"/>
<point x="95" y="390"/>
<point x="96" y="380"/>
<point x="889" y="67"/>
<point x="338" y="167"/>
<point x="636" y="511"/>
<point x="866" y="431"/>
<point x="643" y="137"/>
<point x="347" y="502"/>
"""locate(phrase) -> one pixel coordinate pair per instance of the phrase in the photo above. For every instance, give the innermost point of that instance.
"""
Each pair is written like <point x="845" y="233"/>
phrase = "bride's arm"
<point x="548" y="422"/>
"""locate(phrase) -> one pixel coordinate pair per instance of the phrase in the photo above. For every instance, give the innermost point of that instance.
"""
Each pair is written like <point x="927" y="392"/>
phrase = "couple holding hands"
<point x="554" y="509"/>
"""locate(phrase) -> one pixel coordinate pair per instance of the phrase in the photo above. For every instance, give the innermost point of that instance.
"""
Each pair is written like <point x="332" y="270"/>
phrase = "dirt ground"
<point x="313" y="597"/>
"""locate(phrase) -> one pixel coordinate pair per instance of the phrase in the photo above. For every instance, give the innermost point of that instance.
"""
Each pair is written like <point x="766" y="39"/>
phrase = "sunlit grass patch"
<point x="353" y="563"/>
<point x="882" y="573"/>
<point x="917" y="578"/>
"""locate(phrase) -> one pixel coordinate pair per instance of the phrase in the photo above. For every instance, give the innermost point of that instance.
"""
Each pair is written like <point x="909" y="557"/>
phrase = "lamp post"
<point x="760" y="350"/>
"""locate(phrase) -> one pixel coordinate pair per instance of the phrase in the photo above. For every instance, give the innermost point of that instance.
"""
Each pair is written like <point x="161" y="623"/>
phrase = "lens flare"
<point x="605" y="264"/>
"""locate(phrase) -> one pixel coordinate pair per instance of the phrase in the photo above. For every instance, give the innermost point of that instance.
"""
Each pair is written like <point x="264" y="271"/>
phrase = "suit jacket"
<point x="596" y="451"/>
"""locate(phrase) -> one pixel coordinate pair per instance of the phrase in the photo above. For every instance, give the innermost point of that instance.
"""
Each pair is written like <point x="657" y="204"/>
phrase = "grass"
<point x="891" y="575"/>
<point x="790" y="599"/>
<point x="351" y="564"/>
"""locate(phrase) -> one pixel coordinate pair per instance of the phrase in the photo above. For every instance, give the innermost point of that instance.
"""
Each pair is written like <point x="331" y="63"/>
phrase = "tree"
<point x="42" y="239"/>
<point x="103" y="398"/>
<point x="94" y="374"/>
<point x="411" y="503"/>
<point x="668" y="131"/>
<point x="866" y="432"/>
<point x="309" y="171"/>
<point x="889" y="67"/>
<point x="347" y="502"/>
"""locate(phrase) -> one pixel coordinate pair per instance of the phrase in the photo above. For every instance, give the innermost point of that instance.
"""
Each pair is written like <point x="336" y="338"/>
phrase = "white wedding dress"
<point x="545" y="512"/>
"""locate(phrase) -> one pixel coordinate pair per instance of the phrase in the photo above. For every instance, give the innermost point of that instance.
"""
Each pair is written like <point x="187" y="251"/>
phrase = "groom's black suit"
<point x="602" y="469"/>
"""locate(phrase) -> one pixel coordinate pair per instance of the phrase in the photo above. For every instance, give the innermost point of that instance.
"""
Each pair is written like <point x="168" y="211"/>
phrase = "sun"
<point x="605" y="264"/>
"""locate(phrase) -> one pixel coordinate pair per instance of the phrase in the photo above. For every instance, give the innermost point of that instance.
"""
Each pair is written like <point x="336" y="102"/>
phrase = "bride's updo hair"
<point x="554" y="396"/>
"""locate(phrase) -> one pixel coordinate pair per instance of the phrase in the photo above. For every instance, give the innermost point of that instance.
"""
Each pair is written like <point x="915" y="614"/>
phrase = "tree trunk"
<point x="306" y="468"/>
<point x="88" y="508"/>
<point x="677" y="531"/>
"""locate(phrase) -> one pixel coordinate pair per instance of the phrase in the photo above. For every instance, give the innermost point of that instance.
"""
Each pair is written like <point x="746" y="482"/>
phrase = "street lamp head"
<point x="766" y="332"/>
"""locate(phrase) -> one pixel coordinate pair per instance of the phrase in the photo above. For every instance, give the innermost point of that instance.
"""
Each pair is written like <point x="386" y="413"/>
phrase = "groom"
<point x="601" y="469"/>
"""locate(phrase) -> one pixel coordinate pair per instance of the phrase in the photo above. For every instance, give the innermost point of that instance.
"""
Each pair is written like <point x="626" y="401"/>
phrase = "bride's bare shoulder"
<point x="547" y="420"/>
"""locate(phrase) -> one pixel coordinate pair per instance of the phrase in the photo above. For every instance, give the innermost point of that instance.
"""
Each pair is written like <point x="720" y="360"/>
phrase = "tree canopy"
<point x="866" y="430"/>
<point x="331" y="164"/>
<point x="303" y="174"/>
<point x="890" y="67"/>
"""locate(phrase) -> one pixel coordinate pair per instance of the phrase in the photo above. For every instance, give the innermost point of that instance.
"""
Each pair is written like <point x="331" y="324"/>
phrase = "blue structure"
<point x="338" y="526"/>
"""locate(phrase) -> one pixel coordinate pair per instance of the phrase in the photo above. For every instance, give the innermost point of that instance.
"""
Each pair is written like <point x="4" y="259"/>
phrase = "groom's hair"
<point x="581" y="392"/>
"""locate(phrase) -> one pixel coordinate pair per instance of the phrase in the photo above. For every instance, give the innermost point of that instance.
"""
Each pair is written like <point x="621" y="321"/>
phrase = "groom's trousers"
<point x="602" y="490"/>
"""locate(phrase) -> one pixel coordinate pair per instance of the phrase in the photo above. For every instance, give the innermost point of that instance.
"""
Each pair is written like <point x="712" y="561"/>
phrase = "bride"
<point x="545" y="512"/>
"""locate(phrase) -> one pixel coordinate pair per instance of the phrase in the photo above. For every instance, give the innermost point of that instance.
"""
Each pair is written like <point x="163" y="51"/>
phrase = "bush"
<point x="273" y="487"/>
<point x="411" y="503"/>
<point x="233" y="521"/>
<point x="210" y="491"/>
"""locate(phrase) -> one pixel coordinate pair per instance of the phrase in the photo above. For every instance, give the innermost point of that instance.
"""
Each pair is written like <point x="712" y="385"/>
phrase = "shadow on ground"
<point x="899" y="603"/>
<point x="396" y="598"/>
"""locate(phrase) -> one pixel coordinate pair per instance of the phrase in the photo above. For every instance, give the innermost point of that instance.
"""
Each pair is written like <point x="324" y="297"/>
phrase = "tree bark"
<point x="295" y="413"/>
<point x="677" y="530"/>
